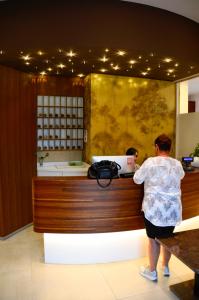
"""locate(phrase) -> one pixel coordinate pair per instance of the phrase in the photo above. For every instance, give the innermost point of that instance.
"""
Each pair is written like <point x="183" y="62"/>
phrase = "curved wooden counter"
<point x="79" y="205"/>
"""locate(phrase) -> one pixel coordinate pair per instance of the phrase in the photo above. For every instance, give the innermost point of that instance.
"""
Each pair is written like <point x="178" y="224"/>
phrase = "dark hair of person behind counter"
<point x="163" y="142"/>
<point x="131" y="151"/>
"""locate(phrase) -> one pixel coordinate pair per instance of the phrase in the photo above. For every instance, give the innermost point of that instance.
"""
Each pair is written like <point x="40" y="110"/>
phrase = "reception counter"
<point x="72" y="207"/>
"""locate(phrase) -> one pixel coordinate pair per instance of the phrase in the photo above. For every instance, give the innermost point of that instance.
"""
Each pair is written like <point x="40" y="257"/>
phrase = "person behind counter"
<point x="162" y="202"/>
<point x="132" y="151"/>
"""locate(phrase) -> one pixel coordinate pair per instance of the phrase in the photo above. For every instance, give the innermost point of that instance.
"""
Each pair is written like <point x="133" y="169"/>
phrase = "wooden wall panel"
<point x="60" y="86"/>
<point x="18" y="94"/>
<point x="18" y="145"/>
<point x="79" y="205"/>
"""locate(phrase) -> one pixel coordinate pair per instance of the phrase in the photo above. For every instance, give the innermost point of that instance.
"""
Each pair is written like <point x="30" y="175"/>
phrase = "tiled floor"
<point x="24" y="276"/>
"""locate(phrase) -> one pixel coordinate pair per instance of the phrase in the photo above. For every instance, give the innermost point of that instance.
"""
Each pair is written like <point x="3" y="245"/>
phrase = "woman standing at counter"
<point x="162" y="201"/>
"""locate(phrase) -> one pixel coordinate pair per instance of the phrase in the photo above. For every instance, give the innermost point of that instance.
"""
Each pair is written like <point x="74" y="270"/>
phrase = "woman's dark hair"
<point x="163" y="142"/>
<point x="131" y="151"/>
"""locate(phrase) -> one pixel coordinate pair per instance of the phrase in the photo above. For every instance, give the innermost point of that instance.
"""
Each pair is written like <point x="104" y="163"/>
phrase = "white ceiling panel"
<point x="186" y="8"/>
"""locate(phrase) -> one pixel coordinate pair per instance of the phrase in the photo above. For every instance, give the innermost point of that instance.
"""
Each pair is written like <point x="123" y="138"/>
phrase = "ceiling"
<point x="188" y="9"/>
<point x="70" y="38"/>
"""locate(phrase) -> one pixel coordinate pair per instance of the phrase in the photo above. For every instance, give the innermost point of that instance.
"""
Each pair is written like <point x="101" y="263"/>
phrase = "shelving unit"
<point x="60" y="124"/>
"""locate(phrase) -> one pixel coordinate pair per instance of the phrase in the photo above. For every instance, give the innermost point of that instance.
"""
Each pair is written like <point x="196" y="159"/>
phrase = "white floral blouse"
<point x="162" y="194"/>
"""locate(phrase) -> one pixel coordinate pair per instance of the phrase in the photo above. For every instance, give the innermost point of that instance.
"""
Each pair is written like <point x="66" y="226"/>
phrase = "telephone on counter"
<point x="186" y="163"/>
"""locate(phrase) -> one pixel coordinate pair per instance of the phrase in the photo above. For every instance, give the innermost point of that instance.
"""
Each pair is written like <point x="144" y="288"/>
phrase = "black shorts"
<point x="153" y="231"/>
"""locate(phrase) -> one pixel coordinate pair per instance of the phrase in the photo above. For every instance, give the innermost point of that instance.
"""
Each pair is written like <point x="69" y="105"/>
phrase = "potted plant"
<point x="195" y="153"/>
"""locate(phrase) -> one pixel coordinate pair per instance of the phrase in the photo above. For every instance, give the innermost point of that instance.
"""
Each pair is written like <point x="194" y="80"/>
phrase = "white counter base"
<point x="100" y="247"/>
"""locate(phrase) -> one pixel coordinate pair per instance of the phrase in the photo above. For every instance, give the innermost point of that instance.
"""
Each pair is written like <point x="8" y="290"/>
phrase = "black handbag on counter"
<point x="104" y="169"/>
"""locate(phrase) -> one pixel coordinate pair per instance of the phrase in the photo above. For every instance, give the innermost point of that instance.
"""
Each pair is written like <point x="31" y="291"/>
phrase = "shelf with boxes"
<point x="60" y="123"/>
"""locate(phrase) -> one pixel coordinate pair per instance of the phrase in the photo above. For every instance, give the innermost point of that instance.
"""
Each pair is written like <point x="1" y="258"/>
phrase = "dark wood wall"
<point x="17" y="148"/>
<point x="18" y="93"/>
<point x="60" y="86"/>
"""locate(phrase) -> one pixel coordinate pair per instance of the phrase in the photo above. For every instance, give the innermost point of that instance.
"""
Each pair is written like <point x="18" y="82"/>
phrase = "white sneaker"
<point x="166" y="271"/>
<point x="145" y="272"/>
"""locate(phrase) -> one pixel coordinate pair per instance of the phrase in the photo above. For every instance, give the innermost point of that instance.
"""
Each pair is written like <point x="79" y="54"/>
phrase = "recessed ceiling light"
<point x="71" y="53"/>
<point x="121" y="52"/>
<point x="167" y="59"/>
<point x="144" y="73"/>
<point x="40" y="52"/>
<point x="140" y="57"/>
<point x="26" y="57"/>
<point x="61" y="66"/>
<point x="148" y="69"/>
<point x="104" y="59"/>
<point x="132" y="61"/>
<point x="43" y="73"/>
<point x="106" y="50"/>
<point x="116" y="67"/>
<point x="1" y="52"/>
<point x="170" y="70"/>
<point x="176" y="65"/>
<point x="81" y="75"/>
<point x="49" y="69"/>
<point x="27" y="63"/>
<point x="103" y="70"/>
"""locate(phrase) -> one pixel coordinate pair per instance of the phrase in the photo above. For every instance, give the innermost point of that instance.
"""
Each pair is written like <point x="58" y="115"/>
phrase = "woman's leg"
<point x="153" y="253"/>
<point x="166" y="255"/>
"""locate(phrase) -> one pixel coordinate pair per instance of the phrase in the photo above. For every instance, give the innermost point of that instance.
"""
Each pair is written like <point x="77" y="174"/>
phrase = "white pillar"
<point x="183" y="98"/>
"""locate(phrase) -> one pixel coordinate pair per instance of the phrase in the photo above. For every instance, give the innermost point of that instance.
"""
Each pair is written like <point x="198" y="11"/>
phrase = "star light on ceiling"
<point x="26" y="57"/>
<point x="121" y="52"/>
<point x="61" y="66"/>
<point x="71" y="53"/>
<point x="40" y="52"/>
<point x="103" y="70"/>
<point x="132" y="61"/>
<point x="104" y="59"/>
<point x="167" y="59"/>
<point x="126" y="63"/>
<point x="116" y="67"/>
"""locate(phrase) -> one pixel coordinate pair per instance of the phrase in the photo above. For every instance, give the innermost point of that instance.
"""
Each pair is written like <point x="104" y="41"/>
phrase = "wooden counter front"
<point x="79" y="205"/>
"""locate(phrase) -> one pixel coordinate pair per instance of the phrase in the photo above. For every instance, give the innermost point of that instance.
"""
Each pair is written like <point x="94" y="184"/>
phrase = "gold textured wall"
<point x="123" y="112"/>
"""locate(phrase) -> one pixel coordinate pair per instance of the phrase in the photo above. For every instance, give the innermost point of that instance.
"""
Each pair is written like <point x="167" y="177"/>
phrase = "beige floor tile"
<point x="25" y="276"/>
<point x="124" y="279"/>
